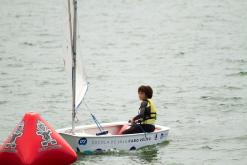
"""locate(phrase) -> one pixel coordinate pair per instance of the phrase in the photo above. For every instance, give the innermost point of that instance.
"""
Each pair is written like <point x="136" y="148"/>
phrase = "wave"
<point x="220" y="98"/>
<point x="242" y="73"/>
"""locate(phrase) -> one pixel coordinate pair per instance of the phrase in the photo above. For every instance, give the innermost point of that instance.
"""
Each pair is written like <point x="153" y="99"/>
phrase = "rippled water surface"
<point x="193" y="53"/>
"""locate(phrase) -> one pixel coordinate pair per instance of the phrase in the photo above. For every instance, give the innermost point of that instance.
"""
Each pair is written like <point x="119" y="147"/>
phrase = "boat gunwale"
<point x="62" y="130"/>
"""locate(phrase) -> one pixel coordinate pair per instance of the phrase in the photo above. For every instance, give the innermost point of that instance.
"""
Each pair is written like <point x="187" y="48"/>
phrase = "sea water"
<point x="193" y="53"/>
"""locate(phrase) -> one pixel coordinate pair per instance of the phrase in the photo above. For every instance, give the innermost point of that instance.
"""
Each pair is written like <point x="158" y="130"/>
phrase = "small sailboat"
<point x="98" y="137"/>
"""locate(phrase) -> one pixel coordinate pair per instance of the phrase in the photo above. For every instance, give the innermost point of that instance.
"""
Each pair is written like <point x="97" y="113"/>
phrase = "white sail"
<point x="80" y="80"/>
<point x="81" y="83"/>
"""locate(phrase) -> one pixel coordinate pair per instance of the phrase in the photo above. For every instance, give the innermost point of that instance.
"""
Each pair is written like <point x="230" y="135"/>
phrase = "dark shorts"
<point x="139" y="128"/>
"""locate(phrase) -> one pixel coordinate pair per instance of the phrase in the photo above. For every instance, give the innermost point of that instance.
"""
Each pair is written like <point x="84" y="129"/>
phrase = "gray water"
<point x="193" y="53"/>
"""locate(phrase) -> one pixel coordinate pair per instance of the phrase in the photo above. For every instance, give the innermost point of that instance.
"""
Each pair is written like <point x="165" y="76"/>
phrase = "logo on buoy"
<point x="16" y="134"/>
<point x="83" y="141"/>
<point x="45" y="132"/>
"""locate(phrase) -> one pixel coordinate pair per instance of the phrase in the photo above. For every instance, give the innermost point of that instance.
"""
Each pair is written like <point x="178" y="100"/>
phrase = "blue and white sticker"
<point x="83" y="141"/>
<point x="162" y="136"/>
<point x="156" y="136"/>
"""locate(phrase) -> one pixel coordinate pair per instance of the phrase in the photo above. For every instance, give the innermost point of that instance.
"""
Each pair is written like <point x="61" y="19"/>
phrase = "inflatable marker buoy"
<point x="35" y="142"/>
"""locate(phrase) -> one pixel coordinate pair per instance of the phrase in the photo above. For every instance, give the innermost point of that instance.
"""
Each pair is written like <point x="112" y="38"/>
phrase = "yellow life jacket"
<point x="150" y="114"/>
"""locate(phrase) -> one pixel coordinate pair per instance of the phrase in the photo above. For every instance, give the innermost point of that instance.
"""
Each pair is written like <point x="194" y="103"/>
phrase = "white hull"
<point x="85" y="140"/>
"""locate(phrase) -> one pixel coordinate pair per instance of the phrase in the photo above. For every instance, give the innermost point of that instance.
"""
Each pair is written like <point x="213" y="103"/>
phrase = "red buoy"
<point x="35" y="142"/>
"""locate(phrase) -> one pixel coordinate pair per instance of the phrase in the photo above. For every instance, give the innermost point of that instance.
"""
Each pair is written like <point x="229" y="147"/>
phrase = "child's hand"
<point x="133" y="122"/>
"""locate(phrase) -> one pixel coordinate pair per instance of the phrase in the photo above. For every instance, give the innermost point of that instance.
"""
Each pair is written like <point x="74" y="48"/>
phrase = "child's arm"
<point x="141" y="113"/>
